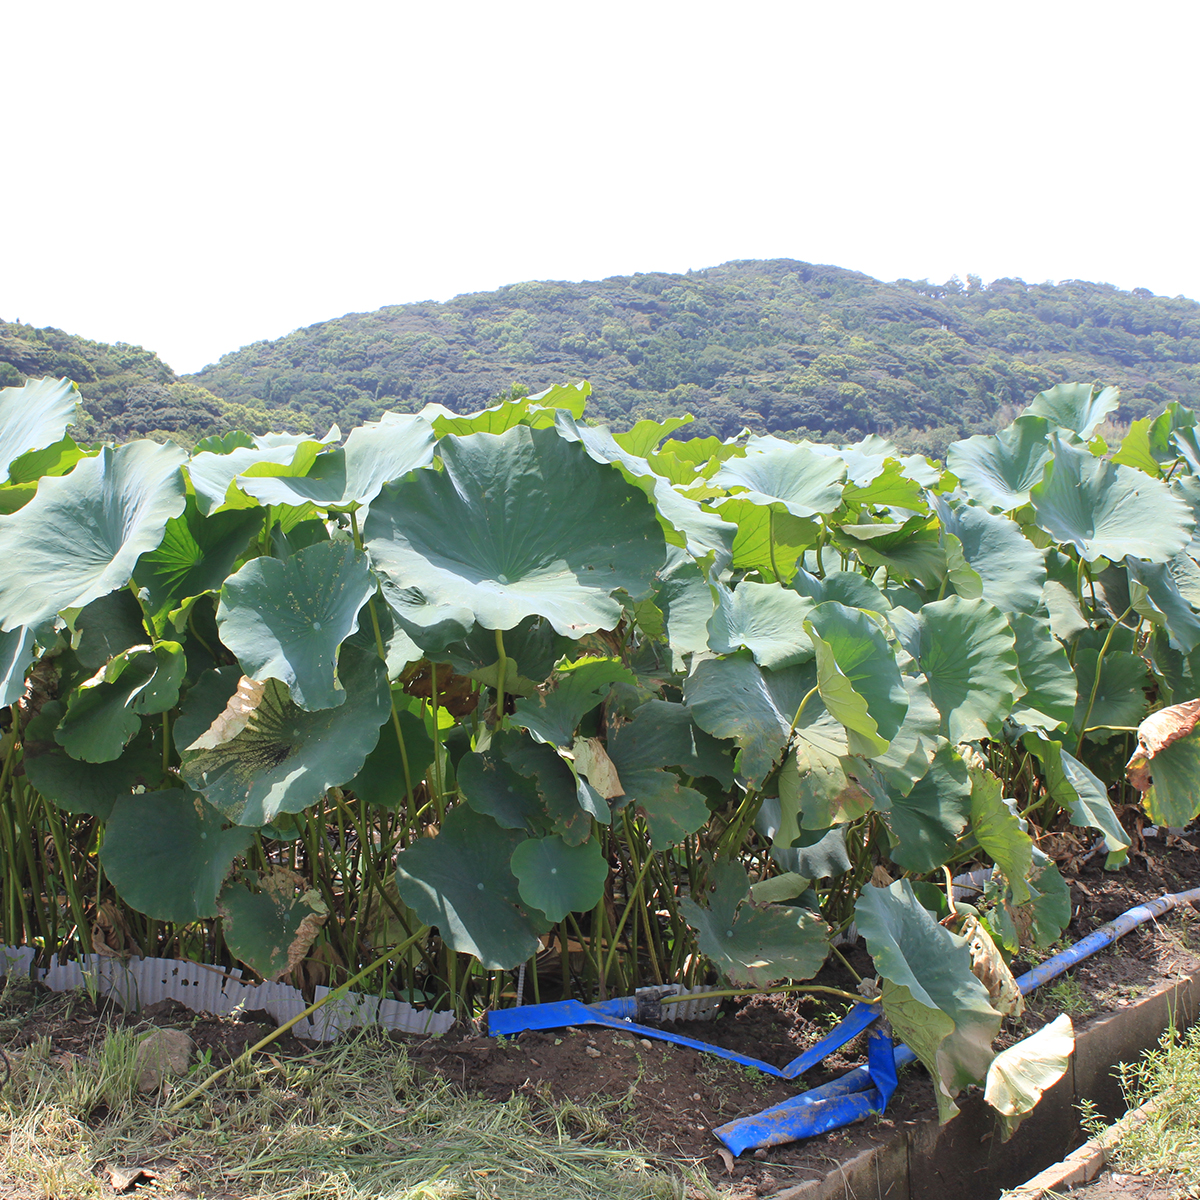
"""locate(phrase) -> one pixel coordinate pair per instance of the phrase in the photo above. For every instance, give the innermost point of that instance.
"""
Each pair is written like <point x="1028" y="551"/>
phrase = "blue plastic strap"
<point x="855" y="1021"/>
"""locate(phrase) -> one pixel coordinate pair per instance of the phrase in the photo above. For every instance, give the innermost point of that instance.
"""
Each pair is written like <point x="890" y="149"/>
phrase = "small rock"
<point x="160" y="1053"/>
<point x="760" y="1153"/>
<point x="591" y="1051"/>
<point x="697" y="1096"/>
<point x="645" y="1044"/>
<point x="533" y="1062"/>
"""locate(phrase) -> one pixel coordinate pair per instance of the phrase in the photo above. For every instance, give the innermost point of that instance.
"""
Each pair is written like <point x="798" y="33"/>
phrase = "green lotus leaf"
<point x="1178" y="673"/>
<point x="264" y="755"/>
<point x="213" y="471"/>
<point x="1050" y="686"/>
<point x="891" y="488"/>
<point x="538" y="411"/>
<point x="1021" y="1074"/>
<point x="1074" y="788"/>
<point x="663" y="734"/>
<point x="553" y="716"/>
<point x="531" y="651"/>
<point x="849" y="644"/>
<point x="1000" y="832"/>
<point x="1165" y="766"/>
<point x="1136" y="450"/>
<point x="734" y="698"/>
<point x="558" y="878"/>
<point x="915" y="743"/>
<point x="773" y="472"/>
<point x="430" y="628"/>
<point x="80" y="536"/>
<point x="461" y="882"/>
<point x="352" y="475"/>
<point x="684" y="521"/>
<point x="1185" y="575"/>
<point x="767" y="541"/>
<point x="865" y="460"/>
<point x="1061" y="597"/>
<point x="34" y="416"/>
<point x="56" y="459"/>
<point x="1011" y="570"/>
<point x="491" y="785"/>
<point x="518" y="524"/>
<point x="18" y="648"/>
<point x="106" y="712"/>
<point x="272" y="928"/>
<point x="846" y="587"/>
<point x="167" y="853"/>
<point x="647" y="434"/>
<point x="766" y="618"/>
<point x="929" y="969"/>
<point x="205" y="701"/>
<point x="195" y="556"/>
<point x="1050" y="909"/>
<point x="672" y="811"/>
<point x="107" y="627"/>
<point x="966" y="650"/>
<point x="818" y="789"/>
<point x="1156" y="596"/>
<point x="286" y="620"/>
<point x="381" y="780"/>
<point x="752" y="945"/>
<point x="1120" y="698"/>
<point x="910" y="549"/>
<point x="559" y="791"/>
<point x="1080" y="407"/>
<point x="929" y="819"/>
<point x="1109" y="511"/>
<point x="815" y="854"/>
<point x="998" y="470"/>
<point x="1187" y="489"/>
<point x="76" y="786"/>
<point x="687" y="604"/>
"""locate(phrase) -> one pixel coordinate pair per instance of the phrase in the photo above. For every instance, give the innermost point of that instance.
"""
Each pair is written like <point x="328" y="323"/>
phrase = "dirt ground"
<point x="671" y="1097"/>
<point x="1113" y="1185"/>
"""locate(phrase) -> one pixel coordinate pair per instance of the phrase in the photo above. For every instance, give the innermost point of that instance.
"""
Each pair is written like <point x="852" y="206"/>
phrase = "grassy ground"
<point x="349" y="1121"/>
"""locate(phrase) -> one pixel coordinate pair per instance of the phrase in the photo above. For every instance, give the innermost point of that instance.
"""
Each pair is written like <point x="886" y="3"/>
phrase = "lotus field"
<point x="509" y="696"/>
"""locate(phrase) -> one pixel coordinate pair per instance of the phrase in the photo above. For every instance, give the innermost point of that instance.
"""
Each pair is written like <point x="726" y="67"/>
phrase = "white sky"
<point x="196" y="176"/>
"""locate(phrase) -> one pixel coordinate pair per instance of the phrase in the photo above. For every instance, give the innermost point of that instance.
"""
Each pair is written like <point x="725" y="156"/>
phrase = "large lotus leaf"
<point x="430" y="628"/>
<point x="286" y="620"/>
<point x="561" y="793"/>
<point x="1165" y="766"/>
<point x="195" y="556"/>
<point x="686" y="601"/>
<point x="1050" y="688"/>
<point x="684" y="521"/>
<point x="1080" y="407"/>
<point x="859" y="650"/>
<point x="818" y="789"/>
<point x="213" y="472"/>
<point x="1120" y="699"/>
<point x="846" y="587"/>
<point x="538" y="411"/>
<point x="999" y="469"/>
<point x="646" y="434"/>
<point x="758" y="709"/>
<point x="766" y="618"/>
<point x="167" y="853"/>
<point x="381" y="780"/>
<point x="672" y="811"/>
<point x="767" y="541"/>
<point x="1039" y="922"/>
<point x="107" y="627"/>
<point x="932" y="966"/>
<point x="929" y="819"/>
<point x="1020" y="1074"/>
<point x="558" y="878"/>
<point x="491" y="785"/>
<point x="1137" y="451"/>
<point x="105" y="713"/>
<point x="531" y="651"/>
<point x="664" y="734"/>
<point x="18" y="647"/>
<point x="915" y="743"/>
<point x="1074" y="788"/>
<point x="518" y="524"/>
<point x="552" y="716"/>
<point x="1000" y="832"/>
<point x="461" y="882"/>
<point x="1185" y="575"/>
<point x="34" y="416"/>
<point x="352" y="475"/>
<point x="909" y="549"/>
<point x="80" y="536"/>
<point x="1187" y="488"/>
<point x="56" y="459"/>
<point x="814" y="854"/>
<point x="1109" y="511"/>
<point x="272" y="925"/>
<point x="264" y="755"/>
<point x="1010" y="568"/>
<point x="86" y="787"/>
<point x="891" y="488"/>
<point x="966" y="650"/>
<point x="773" y="472"/>
<point x="1156" y="596"/>
<point x="753" y="945"/>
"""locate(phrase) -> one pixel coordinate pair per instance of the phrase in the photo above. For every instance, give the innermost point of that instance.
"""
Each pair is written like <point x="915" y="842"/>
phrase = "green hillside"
<point x="781" y="346"/>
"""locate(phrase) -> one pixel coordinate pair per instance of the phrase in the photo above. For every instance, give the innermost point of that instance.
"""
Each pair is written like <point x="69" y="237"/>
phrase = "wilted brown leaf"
<point x="1155" y="734"/>
<point x="234" y="717"/>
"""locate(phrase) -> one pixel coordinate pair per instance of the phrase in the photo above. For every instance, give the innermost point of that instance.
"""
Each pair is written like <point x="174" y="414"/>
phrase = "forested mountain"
<point x="781" y="346"/>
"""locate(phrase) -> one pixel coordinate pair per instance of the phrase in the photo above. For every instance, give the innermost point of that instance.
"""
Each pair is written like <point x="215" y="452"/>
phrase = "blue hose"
<point x="852" y="1096"/>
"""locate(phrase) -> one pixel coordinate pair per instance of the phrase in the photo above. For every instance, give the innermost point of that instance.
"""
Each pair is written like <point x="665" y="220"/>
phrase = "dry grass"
<point x="346" y="1122"/>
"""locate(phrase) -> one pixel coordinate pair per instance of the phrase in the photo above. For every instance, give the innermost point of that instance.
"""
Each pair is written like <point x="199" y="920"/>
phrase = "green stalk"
<point x="70" y="882"/>
<point x="793" y="987"/>
<point x="501" y="671"/>
<point x="771" y="543"/>
<point x="1096" y="682"/>
<point x="438" y="781"/>
<point x="631" y="900"/>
